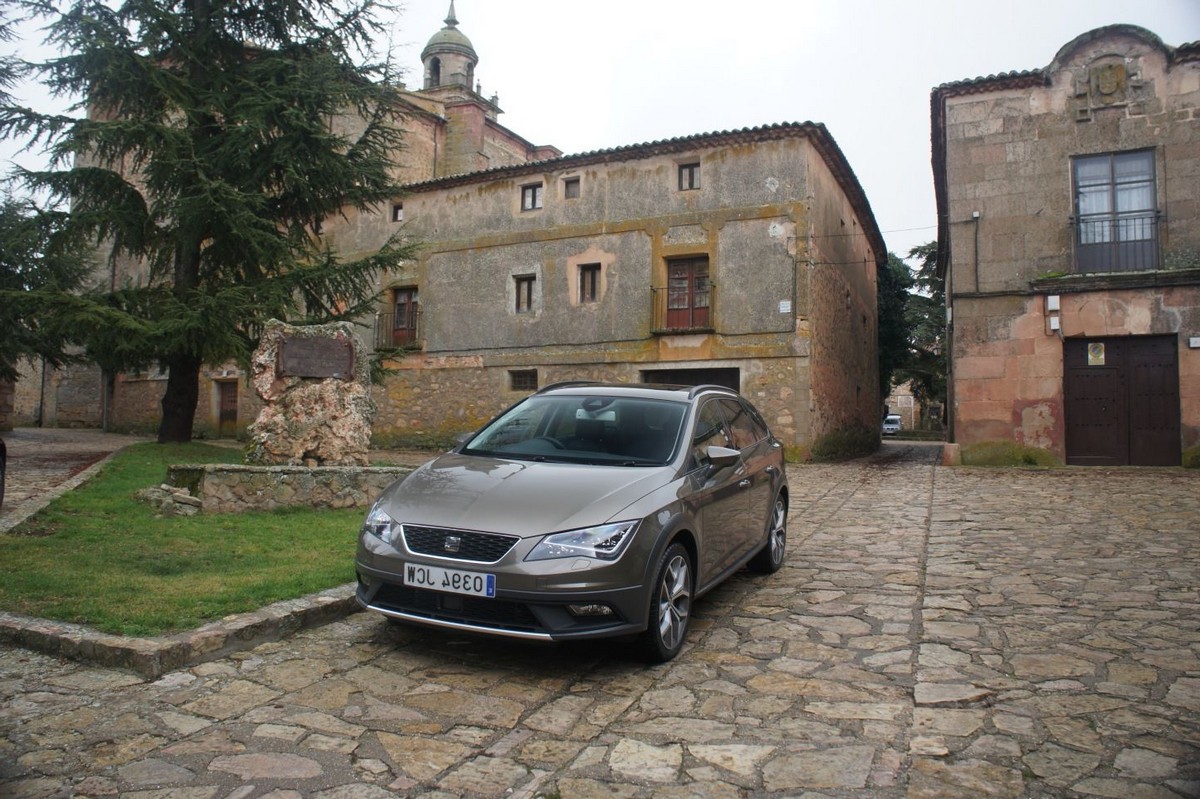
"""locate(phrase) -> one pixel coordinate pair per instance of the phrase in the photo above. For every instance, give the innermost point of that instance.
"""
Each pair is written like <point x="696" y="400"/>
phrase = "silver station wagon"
<point x="586" y="510"/>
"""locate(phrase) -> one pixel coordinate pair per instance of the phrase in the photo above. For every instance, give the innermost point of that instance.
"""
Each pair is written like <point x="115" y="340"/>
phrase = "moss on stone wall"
<point x="1191" y="457"/>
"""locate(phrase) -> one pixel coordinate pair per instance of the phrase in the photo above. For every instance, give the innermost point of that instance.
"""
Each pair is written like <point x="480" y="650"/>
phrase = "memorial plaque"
<point x="316" y="357"/>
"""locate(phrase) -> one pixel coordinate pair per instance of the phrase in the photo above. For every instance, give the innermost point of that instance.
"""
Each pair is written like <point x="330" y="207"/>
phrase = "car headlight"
<point x="380" y="525"/>
<point x="605" y="542"/>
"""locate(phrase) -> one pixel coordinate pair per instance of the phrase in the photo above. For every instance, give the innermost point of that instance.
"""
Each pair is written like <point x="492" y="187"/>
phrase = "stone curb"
<point x="153" y="657"/>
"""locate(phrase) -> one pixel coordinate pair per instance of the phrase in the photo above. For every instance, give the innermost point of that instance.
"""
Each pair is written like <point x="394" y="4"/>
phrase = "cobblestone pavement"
<point x="44" y="462"/>
<point x="935" y="633"/>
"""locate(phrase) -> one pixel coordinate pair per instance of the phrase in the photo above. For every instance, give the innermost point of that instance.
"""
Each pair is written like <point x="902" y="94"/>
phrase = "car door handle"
<point x="745" y="483"/>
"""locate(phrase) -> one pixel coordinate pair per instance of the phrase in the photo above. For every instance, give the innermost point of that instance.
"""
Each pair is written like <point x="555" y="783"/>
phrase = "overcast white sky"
<point x="593" y="75"/>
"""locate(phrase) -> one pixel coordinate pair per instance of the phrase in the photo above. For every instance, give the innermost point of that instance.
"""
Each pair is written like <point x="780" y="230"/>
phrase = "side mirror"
<point x="721" y="457"/>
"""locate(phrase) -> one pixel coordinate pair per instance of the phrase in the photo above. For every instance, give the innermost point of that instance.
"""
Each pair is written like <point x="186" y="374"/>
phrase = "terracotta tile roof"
<point x="815" y="132"/>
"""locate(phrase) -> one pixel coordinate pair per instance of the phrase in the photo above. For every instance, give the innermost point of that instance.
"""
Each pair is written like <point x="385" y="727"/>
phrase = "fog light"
<point x="364" y="580"/>
<point x="590" y="610"/>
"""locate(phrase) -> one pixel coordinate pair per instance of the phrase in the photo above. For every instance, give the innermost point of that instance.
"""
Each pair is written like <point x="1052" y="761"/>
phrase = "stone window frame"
<point x="525" y="286"/>
<point x="1117" y="233"/>
<point x="689" y="175"/>
<point x="589" y="283"/>
<point x="532" y="195"/>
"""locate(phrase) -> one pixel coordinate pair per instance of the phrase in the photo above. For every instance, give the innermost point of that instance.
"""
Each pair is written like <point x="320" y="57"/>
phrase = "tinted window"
<point x="741" y="424"/>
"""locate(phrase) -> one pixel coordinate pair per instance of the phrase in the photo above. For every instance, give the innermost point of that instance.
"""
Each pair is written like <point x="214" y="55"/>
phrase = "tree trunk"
<point x="179" y="401"/>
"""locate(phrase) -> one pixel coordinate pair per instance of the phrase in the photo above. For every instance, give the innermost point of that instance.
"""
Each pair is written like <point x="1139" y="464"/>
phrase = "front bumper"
<point x="533" y="616"/>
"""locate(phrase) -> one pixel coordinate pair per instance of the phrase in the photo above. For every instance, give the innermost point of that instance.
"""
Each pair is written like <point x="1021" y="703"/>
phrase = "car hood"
<point x="524" y="498"/>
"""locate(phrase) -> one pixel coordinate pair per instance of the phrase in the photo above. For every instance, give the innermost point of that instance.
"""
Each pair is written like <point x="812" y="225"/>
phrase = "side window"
<point x="525" y="284"/>
<point x="589" y="283"/>
<point x="741" y="424"/>
<point x="689" y="176"/>
<point x="531" y="197"/>
<point x="710" y="431"/>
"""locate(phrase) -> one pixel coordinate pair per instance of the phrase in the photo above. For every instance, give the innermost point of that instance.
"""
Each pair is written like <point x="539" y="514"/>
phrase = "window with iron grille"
<point x="1116" y="212"/>
<point x="531" y="197"/>
<point x="689" y="176"/>
<point x="523" y="379"/>
<point x="688" y="294"/>
<point x="589" y="282"/>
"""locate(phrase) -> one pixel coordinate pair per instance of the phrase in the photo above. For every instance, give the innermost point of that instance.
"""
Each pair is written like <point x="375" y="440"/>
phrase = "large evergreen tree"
<point x="893" y="283"/>
<point x="209" y="141"/>
<point x="925" y="314"/>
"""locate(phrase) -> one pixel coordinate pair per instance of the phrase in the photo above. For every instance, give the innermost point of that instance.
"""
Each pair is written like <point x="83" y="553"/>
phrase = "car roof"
<point x="678" y="393"/>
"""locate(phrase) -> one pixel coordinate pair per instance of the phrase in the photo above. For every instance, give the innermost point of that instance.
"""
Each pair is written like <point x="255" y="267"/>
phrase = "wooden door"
<point x="227" y="424"/>
<point x="687" y="294"/>
<point x="1121" y="401"/>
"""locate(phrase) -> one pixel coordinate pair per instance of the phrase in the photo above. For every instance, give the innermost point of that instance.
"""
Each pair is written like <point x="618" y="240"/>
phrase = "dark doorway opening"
<point x="227" y="424"/>
<point x="729" y="377"/>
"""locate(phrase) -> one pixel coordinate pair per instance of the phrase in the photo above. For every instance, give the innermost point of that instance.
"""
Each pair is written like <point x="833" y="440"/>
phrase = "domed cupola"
<point x="449" y="58"/>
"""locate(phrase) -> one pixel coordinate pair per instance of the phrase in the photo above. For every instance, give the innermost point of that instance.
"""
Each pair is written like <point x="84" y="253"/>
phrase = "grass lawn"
<point x="95" y="556"/>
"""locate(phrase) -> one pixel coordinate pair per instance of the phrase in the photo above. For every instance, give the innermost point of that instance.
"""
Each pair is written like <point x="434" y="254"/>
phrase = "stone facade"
<point x="776" y="240"/>
<point x="1031" y="258"/>
<point x="790" y="320"/>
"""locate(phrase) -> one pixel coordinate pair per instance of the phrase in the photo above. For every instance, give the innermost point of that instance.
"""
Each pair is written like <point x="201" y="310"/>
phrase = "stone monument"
<point x="315" y="383"/>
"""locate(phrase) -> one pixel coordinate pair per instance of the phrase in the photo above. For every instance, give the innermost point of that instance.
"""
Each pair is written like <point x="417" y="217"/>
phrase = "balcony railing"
<point x="683" y="313"/>
<point x="389" y="337"/>
<point x="1120" y="243"/>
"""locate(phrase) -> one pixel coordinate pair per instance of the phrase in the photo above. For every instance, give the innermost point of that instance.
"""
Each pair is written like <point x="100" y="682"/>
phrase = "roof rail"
<point x="708" y="387"/>
<point x="569" y="384"/>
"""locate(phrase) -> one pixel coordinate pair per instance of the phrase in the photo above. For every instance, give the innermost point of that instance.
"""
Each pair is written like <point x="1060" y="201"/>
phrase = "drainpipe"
<point x="975" y="219"/>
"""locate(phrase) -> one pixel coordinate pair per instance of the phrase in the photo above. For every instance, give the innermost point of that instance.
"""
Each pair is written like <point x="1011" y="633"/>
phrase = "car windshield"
<point x="624" y="431"/>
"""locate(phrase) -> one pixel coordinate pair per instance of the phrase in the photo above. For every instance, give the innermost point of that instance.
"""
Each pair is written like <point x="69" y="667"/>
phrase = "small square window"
<point x="525" y="292"/>
<point x="531" y="197"/>
<point x="398" y="212"/>
<point x="523" y="380"/>
<point x="589" y="282"/>
<point x="689" y="176"/>
<point x="571" y="188"/>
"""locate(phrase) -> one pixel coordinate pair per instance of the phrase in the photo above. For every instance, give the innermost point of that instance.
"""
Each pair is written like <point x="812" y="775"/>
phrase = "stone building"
<point x="1069" y="238"/>
<point x="746" y="258"/>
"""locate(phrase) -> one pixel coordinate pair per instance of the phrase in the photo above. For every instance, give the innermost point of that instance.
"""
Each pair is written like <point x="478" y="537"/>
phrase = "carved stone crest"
<point x="1107" y="84"/>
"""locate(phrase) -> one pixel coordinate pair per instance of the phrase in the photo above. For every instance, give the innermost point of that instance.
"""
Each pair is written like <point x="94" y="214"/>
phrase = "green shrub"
<point x="1007" y="453"/>
<point x="1191" y="457"/>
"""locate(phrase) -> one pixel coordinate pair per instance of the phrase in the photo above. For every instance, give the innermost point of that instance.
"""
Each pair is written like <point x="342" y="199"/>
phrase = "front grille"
<point x="479" y="547"/>
<point x="497" y="613"/>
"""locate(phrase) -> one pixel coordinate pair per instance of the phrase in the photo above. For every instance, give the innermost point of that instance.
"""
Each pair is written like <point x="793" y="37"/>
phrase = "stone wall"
<point x="1010" y="206"/>
<point x="225" y="488"/>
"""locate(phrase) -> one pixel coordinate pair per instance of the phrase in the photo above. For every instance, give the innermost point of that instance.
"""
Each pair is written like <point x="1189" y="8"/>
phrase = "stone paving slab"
<point x="44" y="463"/>
<point x="934" y="633"/>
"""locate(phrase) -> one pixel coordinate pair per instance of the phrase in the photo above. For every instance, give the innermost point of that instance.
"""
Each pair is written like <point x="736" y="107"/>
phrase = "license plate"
<point x="450" y="580"/>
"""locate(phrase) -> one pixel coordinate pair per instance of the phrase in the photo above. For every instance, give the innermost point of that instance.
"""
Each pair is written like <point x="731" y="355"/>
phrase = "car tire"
<point x="770" y="558"/>
<point x="670" y="605"/>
